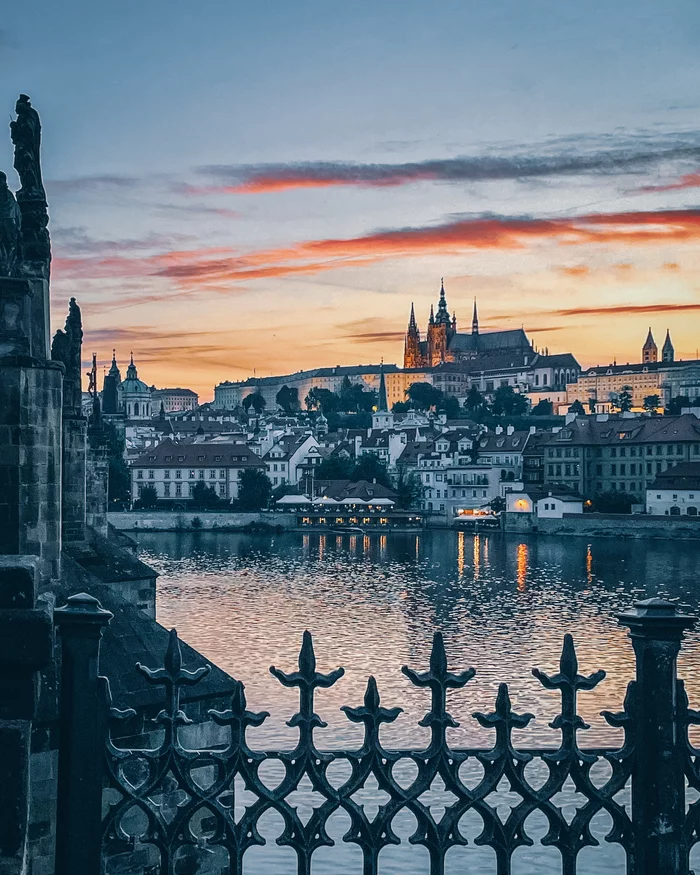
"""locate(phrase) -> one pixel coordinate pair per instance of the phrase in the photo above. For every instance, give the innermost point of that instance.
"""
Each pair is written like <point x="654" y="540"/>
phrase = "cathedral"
<point x="443" y="343"/>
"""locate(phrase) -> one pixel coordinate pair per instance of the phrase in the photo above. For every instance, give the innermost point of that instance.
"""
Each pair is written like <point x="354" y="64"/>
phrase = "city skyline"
<point x="240" y="191"/>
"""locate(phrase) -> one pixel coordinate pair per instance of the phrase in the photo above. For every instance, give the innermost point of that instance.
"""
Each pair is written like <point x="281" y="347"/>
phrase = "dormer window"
<point x="181" y="458"/>
<point x="168" y="458"/>
<point x="217" y="458"/>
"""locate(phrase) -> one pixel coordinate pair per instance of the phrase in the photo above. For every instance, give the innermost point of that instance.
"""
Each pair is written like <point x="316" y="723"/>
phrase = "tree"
<point x="544" y="407"/>
<point x="507" y="402"/>
<point x="497" y="504"/>
<point x="622" y="401"/>
<point x="401" y="407"/>
<point x="676" y="405"/>
<point x="322" y="399"/>
<point x="335" y="468"/>
<point x="254" y="489"/>
<point x="474" y="402"/>
<point x="288" y="399"/>
<point x="256" y="401"/>
<point x="370" y="467"/>
<point x="651" y="403"/>
<point x="203" y="495"/>
<point x="592" y="401"/>
<point x="409" y="489"/>
<point x="576" y="408"/>
<point x="613" y="502"/>
<point x="148" y="498"/>
<point x="119" y="488"/>
<point x="450" y="406"/>
<point x="424" y="396"/>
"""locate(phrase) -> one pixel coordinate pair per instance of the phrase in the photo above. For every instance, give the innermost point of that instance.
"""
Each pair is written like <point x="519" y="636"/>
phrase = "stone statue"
<point x="67" y="348"/>
<point x="26" y="136"/>
<point x="10" y="222"/>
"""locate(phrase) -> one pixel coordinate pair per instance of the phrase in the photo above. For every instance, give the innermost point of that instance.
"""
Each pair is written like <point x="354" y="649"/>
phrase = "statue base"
<point x="15" y="317"/>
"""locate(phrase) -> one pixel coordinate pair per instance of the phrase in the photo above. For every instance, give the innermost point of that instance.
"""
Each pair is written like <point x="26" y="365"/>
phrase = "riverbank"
<point x="199" y="520"/>
<point x="606" y="525"/>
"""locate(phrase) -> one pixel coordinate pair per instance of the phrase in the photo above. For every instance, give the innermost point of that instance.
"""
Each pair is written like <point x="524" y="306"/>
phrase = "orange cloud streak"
<point x="690" y="180"/>
<point x="220" y="266"/>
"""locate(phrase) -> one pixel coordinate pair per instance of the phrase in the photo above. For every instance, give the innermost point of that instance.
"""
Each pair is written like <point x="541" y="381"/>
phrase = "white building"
<point x="289" y="457"/>
<point x="550" y="504"/>
<point x="675" y="492"/>
<point x="135" y="396"/>
<point x="174" y="469"/>
<point x="173" y="400"/>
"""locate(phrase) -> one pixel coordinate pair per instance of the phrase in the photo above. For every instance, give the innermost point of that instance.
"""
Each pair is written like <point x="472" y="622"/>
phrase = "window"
<point x="558" y="470"/>
<point x="178" y="489"/>
<point x="139" y="475"/>
<point x="623" y="470"/>
<point x="200" y="458"/>
<point x="222" y="474"/>
<point x="212" y="475"/>
<point x="166" y="475"/>
<point x="201" y="475"/>
<point x="438" y="477"/>
<point x="669" y="449"/>
<point x="659" y="449"/>
<point x="613" y="452"/>
<point x="613" y="470"/>
<point x="191" y="475"/>
<point x="222" y="489"/>
<point x="599" y="470"/>
<point x="166" y="490"/>
<point x="178" y="475"/>
<point x="151" y="475"/>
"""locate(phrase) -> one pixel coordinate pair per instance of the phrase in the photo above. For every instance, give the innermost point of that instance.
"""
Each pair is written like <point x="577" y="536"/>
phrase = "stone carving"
<point x="67" y="348"/>
<point x="26" y="136"/>
<point x="10" y="221"/>
<point x="35" y="246"/>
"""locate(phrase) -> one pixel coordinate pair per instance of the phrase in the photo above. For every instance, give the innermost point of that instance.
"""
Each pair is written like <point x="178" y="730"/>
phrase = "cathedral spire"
<point x="382" y="403"/>
<point x="668" y="353"/>
<point x="650" y="352"/>
<point x="475" y="320"/>
<point x="412" y="326"/>
<point x="432" y="315"/>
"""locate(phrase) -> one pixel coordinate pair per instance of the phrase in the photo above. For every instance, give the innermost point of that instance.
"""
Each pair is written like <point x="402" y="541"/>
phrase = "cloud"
<point x="96" y="182"/>
<point x="630" y="158"/>
<point x="690" y="180"/>
<point x="631" y="309"/>
<point x="216" y="268"/>
<point x="75" y="240"/>
<point x="576" y="270"/>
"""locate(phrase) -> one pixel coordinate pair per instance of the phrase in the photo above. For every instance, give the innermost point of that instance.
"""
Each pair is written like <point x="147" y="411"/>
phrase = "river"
<point x="372" y="604"/>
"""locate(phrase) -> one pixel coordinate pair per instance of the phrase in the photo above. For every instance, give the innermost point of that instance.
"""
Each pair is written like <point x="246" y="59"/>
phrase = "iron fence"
<point x="181" y="803"/>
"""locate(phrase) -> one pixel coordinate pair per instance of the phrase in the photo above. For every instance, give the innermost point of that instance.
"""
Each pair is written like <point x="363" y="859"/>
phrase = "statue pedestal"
<point x="15" y="317"/>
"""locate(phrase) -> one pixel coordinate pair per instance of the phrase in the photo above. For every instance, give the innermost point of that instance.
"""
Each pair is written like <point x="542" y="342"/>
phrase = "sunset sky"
<point x="237" y="186"/>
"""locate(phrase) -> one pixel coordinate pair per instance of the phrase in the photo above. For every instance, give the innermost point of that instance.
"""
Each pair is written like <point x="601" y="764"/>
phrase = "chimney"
<point x="498" y="429"/>
<point x="510" y="429"/>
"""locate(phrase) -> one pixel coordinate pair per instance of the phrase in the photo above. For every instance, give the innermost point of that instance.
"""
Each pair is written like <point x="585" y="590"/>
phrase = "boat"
<point x="347" y="530"/>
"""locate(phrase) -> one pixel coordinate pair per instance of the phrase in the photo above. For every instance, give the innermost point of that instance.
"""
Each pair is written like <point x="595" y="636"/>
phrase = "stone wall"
<point x="73" y="477"/>
<point x="594" y="525"/>
<point x="173" y="521"/>
<point x="97" y="483"/>
<point x="30" y="461"/>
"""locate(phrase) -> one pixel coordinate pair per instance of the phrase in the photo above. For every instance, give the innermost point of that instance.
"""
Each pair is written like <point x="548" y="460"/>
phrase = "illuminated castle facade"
<point x="443" y="343"/>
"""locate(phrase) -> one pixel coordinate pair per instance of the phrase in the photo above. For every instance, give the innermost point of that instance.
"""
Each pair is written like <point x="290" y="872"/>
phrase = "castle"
<point x="444" y="343"/>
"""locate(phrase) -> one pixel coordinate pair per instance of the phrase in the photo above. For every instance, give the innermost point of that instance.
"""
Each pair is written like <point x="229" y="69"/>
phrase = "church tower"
<point x="412" y="357"/>
<point x="650" y="351"/>
<point x="382" y="416"/>
<point x="668" y="354"/>
<point x="475" y="321"/>
<point x="440" y="331"/>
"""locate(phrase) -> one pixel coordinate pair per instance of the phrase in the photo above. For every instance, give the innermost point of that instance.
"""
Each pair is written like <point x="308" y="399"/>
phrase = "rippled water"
<point x="373" y="603"/>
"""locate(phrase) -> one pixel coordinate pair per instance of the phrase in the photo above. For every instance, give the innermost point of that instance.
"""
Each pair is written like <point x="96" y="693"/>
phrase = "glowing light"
<point x="521" y="504"/>
<point x="460" y="553"/>
<point x="589" y="564"/>
<point x="477" y="556"/>
<point x="522" y="566"/>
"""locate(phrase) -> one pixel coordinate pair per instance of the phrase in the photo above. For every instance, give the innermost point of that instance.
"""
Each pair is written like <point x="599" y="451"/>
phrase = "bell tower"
<point x="650" y="351"/>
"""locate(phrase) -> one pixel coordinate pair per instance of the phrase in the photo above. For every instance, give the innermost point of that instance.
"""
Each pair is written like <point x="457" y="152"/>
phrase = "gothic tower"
<point x="440" y="331"/>
<point x="667" y="352"/>
<point x="412" y="357"/>
<point x="650" y="352"/>
<point x="475" y="320"/>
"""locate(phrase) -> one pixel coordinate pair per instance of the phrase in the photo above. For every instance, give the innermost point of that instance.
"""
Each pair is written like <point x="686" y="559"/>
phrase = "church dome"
<point x="136" y="395"/>
<point x="132" y="385"/>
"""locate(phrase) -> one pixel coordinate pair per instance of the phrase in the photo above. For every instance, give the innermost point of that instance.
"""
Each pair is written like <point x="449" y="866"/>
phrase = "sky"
<point x="240" y="188"/>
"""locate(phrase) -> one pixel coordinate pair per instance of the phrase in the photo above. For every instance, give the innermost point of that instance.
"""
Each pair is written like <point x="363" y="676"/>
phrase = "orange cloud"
<point x="690" y="180"/>
<point x="629" y="309"/>
<point x="576" y="270"/>
<point x="217" y="267"/>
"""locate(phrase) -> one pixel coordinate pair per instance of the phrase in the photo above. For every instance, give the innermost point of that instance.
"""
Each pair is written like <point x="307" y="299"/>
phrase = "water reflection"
<point x="373" y="603"/>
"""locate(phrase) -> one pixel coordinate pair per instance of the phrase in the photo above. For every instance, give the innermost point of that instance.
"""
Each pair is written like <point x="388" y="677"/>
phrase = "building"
<point x="289" y="457"/>
<point x="676" y="491"/>
<point x="173" y="400"/>
<point x="443" y="343"/>
<point x="543" y="504"/>
<point x="593" y="454"/>
<point x="135" y="395"/>
<point x="174" y="469"/>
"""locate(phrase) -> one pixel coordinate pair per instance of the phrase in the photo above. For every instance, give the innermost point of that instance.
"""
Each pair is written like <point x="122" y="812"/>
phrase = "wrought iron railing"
<point x="181" y="803"/>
